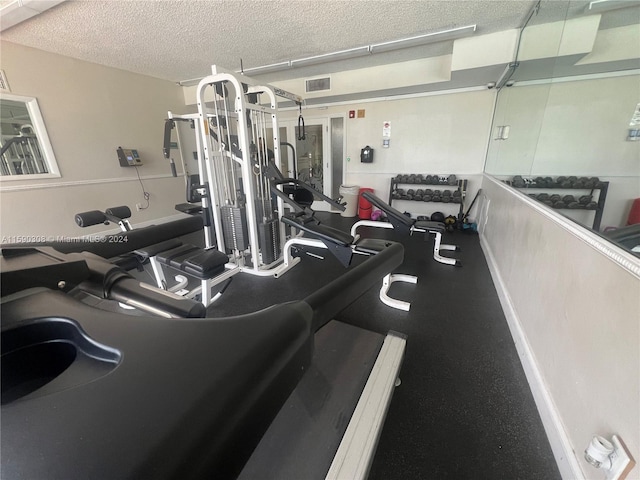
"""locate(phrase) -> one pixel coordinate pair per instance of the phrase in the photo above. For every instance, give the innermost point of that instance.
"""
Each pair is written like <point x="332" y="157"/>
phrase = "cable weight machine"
<point x="241" y="216"/>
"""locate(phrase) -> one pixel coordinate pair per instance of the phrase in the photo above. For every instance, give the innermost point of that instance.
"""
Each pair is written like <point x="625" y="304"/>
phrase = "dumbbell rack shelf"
<point x="601" y="187"/>
<point x="456" y="199"/>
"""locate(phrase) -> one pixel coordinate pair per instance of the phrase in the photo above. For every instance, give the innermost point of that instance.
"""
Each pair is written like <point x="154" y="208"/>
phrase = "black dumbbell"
<point x="559" y="204"/>
<point x="517" y="181"/>
<point x="412" y="178"/>
<point x="418" y="197"/>
<point x="543" y="197"/>
<point x="585" y="199"/>
<point x="555" y="198"/>
<point x="420" y="192"/>
<point x="452" y="180"/>
<point x="436" y="198"/>
<point x="573" y="205"/>
<point x="419" y="178"/>
<point x="411" y="191"/>
<point x="568" y="199"/>
<point x="446" y="198"/>
<point x="426" y="198"/>
<point x="428" y="191"/>
<point x="591" y="206"/>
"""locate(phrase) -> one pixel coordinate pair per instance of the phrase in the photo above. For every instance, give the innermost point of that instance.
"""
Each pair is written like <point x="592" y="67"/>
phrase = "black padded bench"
<point x="202" y="264"/>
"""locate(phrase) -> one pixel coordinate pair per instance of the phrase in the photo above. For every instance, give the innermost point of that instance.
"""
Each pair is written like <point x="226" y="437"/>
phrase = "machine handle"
<point x="151" y="299"/>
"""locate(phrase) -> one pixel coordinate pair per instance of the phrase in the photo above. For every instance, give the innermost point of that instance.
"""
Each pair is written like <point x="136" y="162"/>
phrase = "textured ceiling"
<point x="180" y="39"/>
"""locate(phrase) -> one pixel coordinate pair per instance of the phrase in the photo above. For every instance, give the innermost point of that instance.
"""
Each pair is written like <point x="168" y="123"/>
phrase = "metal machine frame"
<point x="235" y="188"/>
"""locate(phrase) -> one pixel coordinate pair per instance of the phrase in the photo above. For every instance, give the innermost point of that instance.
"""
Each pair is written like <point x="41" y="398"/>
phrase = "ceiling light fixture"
<point x="426" y="39"/>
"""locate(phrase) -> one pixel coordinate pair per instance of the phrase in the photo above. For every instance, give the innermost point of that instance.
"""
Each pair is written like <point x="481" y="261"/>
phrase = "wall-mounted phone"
<point x="128" y="157"/>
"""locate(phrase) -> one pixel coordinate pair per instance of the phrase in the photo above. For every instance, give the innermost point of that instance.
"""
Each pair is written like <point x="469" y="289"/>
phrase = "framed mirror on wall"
<point x="25" y="149"/>
<point x="567" y="116"/>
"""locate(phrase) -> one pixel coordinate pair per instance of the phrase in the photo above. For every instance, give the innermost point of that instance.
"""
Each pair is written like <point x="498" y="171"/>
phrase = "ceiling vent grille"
<point x="4" y="85"/>
<point x="318" y="84"/>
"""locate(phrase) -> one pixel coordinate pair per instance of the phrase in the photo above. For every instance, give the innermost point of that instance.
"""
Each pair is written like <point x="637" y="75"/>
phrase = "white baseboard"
<point x="556" y="433"/>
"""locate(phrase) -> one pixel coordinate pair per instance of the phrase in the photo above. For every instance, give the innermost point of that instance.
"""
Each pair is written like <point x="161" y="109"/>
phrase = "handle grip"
<point x="151" y="299"/>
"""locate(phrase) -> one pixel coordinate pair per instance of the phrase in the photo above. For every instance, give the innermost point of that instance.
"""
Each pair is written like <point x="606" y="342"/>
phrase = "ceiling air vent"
<point x="318" y="84"/>
<point x="4" y="85"/>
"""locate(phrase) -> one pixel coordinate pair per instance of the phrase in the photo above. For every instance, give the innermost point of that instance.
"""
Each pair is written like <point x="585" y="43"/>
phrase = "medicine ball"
<point x="437" y="217"/>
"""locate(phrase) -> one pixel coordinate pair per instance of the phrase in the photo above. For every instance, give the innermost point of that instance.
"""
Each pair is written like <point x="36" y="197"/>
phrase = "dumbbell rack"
<point x="601" y="187"/>
<point x="420" y="181"/>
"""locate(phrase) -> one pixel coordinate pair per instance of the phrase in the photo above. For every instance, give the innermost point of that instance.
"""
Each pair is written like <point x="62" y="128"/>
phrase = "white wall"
<point x="575" y="317"/>
<point x="440" y="134"/>
<point x="89" y="110"/>
<point x="573" y="128"/>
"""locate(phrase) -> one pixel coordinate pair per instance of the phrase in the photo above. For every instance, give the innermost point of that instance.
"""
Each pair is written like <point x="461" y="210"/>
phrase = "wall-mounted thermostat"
<point x="128" y="157"/>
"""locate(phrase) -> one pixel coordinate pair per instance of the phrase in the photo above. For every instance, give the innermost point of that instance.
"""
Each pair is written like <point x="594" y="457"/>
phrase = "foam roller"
<point x="92" y="217"/>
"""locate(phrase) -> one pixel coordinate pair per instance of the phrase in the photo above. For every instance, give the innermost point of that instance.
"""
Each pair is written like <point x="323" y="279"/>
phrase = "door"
<point x="318" y="158"/>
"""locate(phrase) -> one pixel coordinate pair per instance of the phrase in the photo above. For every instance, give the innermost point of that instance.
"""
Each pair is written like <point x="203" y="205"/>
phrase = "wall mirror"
<point x="567" y="115"/>
<point x="25" y="150"/>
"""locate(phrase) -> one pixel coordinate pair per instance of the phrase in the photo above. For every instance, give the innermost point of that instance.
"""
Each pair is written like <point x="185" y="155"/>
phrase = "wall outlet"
<point x="138" y="206"/>
<point x="621" y="461"/>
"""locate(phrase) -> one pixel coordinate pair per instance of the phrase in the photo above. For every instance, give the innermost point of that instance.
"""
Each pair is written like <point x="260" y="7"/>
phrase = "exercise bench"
<point x="207" y="266"/>
<point x="343" y="246"/>
<point x="403" y="224"/>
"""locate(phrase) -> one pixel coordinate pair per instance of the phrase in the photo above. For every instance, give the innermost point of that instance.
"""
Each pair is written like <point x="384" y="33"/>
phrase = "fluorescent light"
<point x="274" y="67"/>
<point x="426" y="39"/>
<point x="331" y="57"/>
<point x="606" y="5"/>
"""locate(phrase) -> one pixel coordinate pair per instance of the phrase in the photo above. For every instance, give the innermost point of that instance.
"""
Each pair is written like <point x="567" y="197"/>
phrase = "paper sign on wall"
<point x="386" y="129"/>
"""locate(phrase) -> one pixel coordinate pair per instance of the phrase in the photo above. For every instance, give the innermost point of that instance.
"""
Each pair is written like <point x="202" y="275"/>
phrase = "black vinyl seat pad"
<point x="194" y="260"/>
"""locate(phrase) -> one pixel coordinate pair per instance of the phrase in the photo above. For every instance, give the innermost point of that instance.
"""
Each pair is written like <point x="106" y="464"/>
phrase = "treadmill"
<point x="285" y="392"/>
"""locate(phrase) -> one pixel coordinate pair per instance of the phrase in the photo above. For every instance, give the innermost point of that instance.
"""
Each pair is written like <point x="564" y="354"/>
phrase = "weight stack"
<point x="234" y="228"/>
<point x="269" y="238"/>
